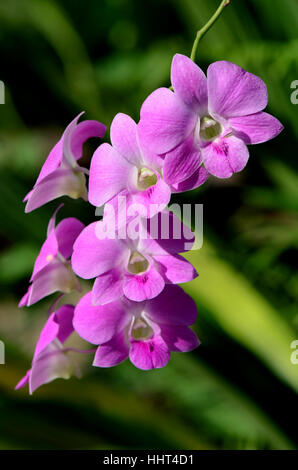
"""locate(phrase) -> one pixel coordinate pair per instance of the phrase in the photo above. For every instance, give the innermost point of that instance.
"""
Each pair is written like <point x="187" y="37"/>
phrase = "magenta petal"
<point x="190" y="83"/>
<point x="99" y="323"/>
<point x="61" y="182"/>
<point x="107" y="287"/>
<point x="64" y="318"/>
<point x="93" y="256"/>
<point x="198" y="178"/>
<point x="166" y="234"/>
<point x="182" y="162"/>
<point x="153" y="199"/>
<point x="172" y="306"/>
<point x="234" y="92"/>
<point x="124" y="138"/>
<point x="165" y="121"/>
<point x="52" y="162"/>
<point x="110" y="173"/>
<point x="113" y="352"/>
<point x="225" y="156"/>
<point x="84" y="131"/>
<point x="24" y="381"/>
<point x="175" y="269"/>
<point x="67" y="231"/>
<point x="139" y="287"/>
<point x="179" y="338"/>
<point x="150" y="354"/>
<point x="256" y="128"/>
<point x="47" y="335"/>
<point x="24" y="300"/>
<point x="47" y="253"/>
<point x="52" y="278"/>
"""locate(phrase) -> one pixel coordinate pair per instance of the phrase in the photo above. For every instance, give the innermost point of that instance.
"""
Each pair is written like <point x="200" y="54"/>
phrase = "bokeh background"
<point x="238" y="389"/>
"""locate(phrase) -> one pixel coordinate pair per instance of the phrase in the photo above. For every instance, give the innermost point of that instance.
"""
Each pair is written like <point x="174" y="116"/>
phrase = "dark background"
<point x="238" y="389"/>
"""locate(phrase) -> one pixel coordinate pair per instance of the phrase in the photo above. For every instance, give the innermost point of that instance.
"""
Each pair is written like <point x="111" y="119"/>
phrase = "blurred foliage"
<point x="238" y="390"/>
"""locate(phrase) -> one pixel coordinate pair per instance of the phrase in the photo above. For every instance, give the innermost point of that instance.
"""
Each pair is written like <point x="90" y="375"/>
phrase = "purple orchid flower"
<point x="146" y="332"/>
<point x="136" y="266"/>
<point x="128" y="169"/>
<point x="206" y="121"/>
<point x="50" y="360"/>
<point x="52" y="270"/>
<point x="61" y="175"/>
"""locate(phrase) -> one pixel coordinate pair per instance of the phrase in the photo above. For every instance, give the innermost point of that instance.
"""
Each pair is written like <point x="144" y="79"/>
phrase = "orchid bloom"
<point x="61" y="175"/>
<point x="206" y="121"/>
<point x="52" y="271"/>
<point x="146" y="332"/>
<point x="50" y="360"/>
<point x="128" y="169"/>
<point x="138" y="267"/>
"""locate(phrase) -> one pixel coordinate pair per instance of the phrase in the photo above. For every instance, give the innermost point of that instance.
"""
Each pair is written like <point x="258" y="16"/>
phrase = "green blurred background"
<point x="238" y="390"/>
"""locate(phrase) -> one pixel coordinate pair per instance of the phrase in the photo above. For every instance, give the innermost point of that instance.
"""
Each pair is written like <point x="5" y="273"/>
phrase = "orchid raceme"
<point x="135" y="309"/>
<point x="129" y="169"/>
<point x="206" y="120"/>
<point x="52" y="271"/>
<point x="138" y="266"/>
<point x="61" y="175"/>
<point x="50" y="359"/>
<point x="146" y="332"/>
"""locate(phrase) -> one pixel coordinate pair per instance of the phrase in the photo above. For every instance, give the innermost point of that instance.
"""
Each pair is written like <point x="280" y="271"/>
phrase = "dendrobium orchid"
<point x="52" y="270"/>
<point x="61" y="175"/>
<point x="146" y="332"/>
<point x="206" y="121"/>
<point x="135" y="309"/>
<point x="138" y="267"/>
<point x="129" y="169"/>
<point x="51" y="360"/>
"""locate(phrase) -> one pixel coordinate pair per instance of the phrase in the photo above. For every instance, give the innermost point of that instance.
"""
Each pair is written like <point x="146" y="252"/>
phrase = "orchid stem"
<point x="201" y="33"/>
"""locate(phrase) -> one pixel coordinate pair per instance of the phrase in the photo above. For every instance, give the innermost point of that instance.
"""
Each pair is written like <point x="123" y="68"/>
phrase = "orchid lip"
<point x="210" y="129"/>
<point x="146" y="178"/>
<point x="137" y="263"/>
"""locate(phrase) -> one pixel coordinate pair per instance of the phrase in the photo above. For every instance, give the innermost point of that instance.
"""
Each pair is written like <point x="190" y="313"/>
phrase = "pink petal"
<point x="256" y="128"/>
<point x="24" y="300"/>
<point x="198" y="178"/>
<point x="190" y="83"/>
<point x="52" y="278"/>
<point x="124" y="138"/>
<point x="47" y="335"/>
<point x="52" y="162"/>
<point x="84" y="131"/>
<point x="110" y="173"/>
<point x="99" y="323"/>
<point x="107" y="287"/>
<point x="153" y="199"/>
<point x="225" y="156"/>
<point x="166" y="234"/>
<point x="150" y="354"/>
<point x="179" y="338"/>
<point x="47" y="253"/>
<point x="139" y="287"/>
<point x="113" y="352"/>
<point x="64" y="318"/>
<point x="182" y="162"/>
<point x="165" y="121"/>
<point x="61" y="182"/>
<point x="93" y="256"/>
<point x="24" y="381"/>
<point x="172" y="306"/>
<point x="175" y="269"/>
<point x="234" y="92"/>
<point x="67" y="231"/>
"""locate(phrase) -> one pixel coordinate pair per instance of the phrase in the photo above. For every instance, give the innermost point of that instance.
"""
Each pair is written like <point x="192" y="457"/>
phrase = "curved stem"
<point x="206" y="28"/>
